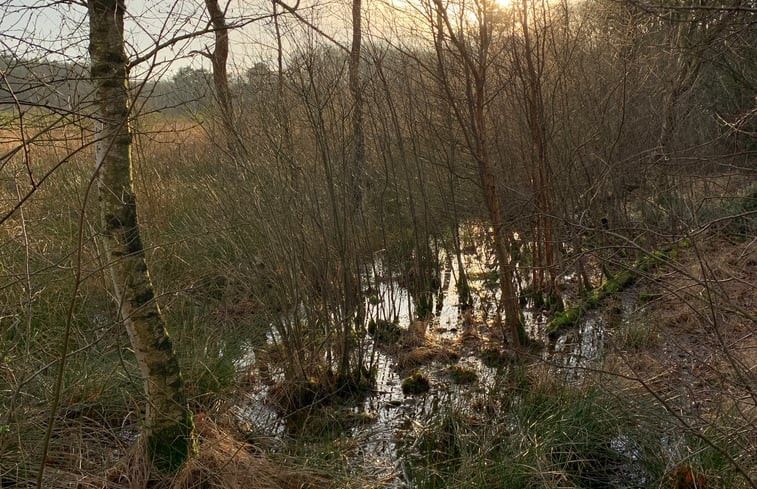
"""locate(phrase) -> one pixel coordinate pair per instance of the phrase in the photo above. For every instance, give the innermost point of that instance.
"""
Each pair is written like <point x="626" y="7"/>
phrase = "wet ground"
<point x="388" y="416"/>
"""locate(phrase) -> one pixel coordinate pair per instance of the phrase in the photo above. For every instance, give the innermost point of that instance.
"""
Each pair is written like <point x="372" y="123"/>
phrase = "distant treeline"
<point x="65" y="87"/>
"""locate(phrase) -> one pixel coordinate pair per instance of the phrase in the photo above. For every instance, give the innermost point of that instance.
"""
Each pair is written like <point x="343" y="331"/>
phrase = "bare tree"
<point x="530" y="64"/>
<point x="358" y="138"/>
<point x="168" y="428"/>
<point x="219" y="58"/>
<point x="475" y="55"/>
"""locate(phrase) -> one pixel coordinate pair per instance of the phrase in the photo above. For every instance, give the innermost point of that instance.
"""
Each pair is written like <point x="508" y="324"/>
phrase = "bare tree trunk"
<point x="358" y="138"/>
<point x="218" y="59"/>
<point x="509" y="299"/>
<point x="168" y="427"/>
<point x="463" y="290"/>
<point x="475" y="129"/>
<point x="531" y="75"/>
<point x="220" y="55"/>
<point x="352" y="303"/>
<point x="422" y="275"/>
<point x="284" y="151"/>
<point x="686" y="69"/>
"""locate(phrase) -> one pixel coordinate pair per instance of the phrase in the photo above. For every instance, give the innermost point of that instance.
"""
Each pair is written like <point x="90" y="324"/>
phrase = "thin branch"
<point x="183" y="37"/>
<point x="293" y="11"/>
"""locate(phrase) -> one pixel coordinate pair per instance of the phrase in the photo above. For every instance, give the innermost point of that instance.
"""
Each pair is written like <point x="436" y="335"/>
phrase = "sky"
<point x="33" y="28"/>
<point x="58" y="30"/>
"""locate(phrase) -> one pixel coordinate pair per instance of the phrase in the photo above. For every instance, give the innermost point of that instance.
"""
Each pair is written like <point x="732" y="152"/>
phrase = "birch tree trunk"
<point x="168" y="426"/>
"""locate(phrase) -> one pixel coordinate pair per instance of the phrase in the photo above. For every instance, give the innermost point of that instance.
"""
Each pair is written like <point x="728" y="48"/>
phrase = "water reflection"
<point x="469" y="333"/>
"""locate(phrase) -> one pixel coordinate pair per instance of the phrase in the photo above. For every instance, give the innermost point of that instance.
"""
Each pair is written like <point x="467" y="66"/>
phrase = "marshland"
<point x="380" y="244"/>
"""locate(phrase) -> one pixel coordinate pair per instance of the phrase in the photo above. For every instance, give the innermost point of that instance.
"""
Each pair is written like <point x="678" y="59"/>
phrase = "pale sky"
<point x="32" y="28"/>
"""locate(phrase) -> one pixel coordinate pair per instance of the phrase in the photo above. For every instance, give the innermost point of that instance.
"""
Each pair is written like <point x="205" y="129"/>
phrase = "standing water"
<point x="458" y="337"/>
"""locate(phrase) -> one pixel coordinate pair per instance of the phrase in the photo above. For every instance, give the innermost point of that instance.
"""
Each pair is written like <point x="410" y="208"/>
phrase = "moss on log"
<point x="570" y="316"/>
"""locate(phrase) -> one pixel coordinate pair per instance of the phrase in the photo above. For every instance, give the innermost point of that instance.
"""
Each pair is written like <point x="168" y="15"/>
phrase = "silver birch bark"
<point x="168" y="427"/>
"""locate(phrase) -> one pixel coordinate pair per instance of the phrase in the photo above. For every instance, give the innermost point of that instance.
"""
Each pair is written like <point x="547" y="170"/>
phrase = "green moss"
<point x="592" y="300"/>
<point x="674" y="252"/>
<point x="618" y="283"/>
<point x="417" y="383"/>
<point x="384" y="331"/>
<point x="554" y="302"/>
<point x="614" y="284"/>
<point x="170" y="447"/>
<point x="462" y="375"/>
<point x="648" y="262"/>
<point x="646" y="296"/>
<point x="565" y="319"/>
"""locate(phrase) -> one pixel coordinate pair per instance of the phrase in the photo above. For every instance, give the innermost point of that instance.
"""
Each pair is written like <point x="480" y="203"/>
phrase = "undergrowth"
<point x="540" y="433"/>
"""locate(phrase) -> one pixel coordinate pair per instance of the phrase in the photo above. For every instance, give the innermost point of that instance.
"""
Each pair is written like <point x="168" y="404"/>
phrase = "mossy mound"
<point x="494" y="358"/>
<point x="417" y="383"/>
<point x="415" y="357"/>
<point x="327" y="389"/>
<point x="290" y="397"/>
<point x="646" y="296"/>
<point x="462" y="375"/>
<point x="170" y="447"/>
<point x="384" y="332"/>
<point x="423" y="355"/>
<point x="326" y="422"/>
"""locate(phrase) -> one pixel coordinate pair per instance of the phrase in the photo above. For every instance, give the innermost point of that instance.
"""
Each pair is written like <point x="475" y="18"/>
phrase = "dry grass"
<point x="222" y="463"/>
<point x="417" y="347"/>
<point x="415" y="335"/>
<point x="707" y="334"/>
<point x="415" y="357"/>
<point x="702" y="364"/>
